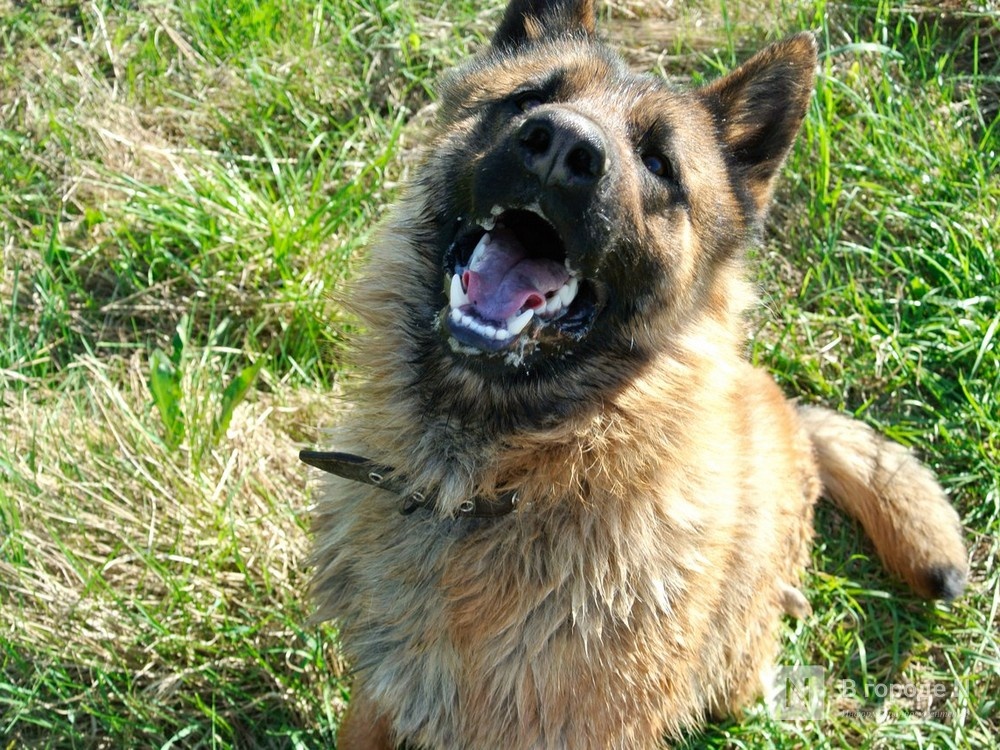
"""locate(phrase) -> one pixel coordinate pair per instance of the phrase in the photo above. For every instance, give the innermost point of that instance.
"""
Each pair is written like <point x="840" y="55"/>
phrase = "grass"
<point x="182" y="188"/>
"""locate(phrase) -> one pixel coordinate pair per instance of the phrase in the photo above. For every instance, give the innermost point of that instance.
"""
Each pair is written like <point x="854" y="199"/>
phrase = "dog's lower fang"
<point x="561" y="299"/>
<point x="518" y="323"/>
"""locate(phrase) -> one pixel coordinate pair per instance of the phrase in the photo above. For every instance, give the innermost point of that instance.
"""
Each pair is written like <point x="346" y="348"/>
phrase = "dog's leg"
<point x="793" y="602"/>
<point x="896" y="498"/>
<point x="364" y="726"/>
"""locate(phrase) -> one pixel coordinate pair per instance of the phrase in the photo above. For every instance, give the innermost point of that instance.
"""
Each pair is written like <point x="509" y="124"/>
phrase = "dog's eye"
<point x="658" y="165"/>
<point x="528" y="100"/>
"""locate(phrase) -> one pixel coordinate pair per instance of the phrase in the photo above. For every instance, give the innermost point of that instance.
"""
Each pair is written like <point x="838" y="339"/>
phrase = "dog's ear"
<point x="758" y="109"/>
<point x="527" y="21"/>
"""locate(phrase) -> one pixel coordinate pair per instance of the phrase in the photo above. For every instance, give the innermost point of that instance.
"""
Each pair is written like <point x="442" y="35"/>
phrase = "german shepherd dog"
<point x="606" y="509"/>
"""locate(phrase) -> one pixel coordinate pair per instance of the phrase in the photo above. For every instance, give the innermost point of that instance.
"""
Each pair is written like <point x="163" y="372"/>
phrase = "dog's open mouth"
<point x="512" y="283"/>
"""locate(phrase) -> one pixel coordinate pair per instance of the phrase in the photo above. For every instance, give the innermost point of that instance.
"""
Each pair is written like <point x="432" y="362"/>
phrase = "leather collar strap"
<point x="364" y="470"/>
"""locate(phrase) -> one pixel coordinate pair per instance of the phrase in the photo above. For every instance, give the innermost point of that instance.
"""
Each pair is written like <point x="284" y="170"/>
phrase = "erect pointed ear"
<point x="758" y="109"/>
<point x="530" y="20"/>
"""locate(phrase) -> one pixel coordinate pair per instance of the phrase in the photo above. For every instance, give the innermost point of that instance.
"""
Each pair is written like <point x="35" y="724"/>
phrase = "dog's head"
<point x="573" y="212"/>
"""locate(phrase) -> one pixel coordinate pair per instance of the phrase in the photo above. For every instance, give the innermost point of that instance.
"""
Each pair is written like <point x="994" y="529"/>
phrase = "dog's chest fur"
<point x="623" y="570"/>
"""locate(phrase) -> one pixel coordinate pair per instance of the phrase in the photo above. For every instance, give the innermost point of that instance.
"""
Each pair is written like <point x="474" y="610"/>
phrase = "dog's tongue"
<point x="501" y="280"/>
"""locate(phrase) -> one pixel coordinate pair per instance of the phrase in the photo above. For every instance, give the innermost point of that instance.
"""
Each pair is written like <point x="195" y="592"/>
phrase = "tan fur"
<point x="666" y="486"/>
<point x="363" y="726"/>
<point x="896" y="498"/>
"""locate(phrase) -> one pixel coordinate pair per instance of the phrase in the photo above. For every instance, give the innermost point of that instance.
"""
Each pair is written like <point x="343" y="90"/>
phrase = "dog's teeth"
<point x="489" y="223"/>
<point x="511" y="328"/>
<point x="477" y="254"/>
<point x="568" y="292"/>
<point x="496" y="210"/>
<point x="458" y="297"/>
<point x="518" y="323"/>
<point x="554" y="303"/>
<point x="475" y="325"/>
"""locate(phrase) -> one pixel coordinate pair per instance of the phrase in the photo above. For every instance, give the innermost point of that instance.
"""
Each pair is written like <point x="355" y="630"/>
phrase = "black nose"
<point x="563" y="149"/>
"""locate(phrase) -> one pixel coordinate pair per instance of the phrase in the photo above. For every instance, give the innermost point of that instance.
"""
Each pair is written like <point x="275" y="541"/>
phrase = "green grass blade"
<point x="235" y="392"/>
<point x="164" y="385"/>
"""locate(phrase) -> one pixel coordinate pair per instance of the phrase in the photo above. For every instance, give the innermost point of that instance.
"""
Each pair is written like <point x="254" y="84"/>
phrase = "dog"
<point x="570" y="514"/>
